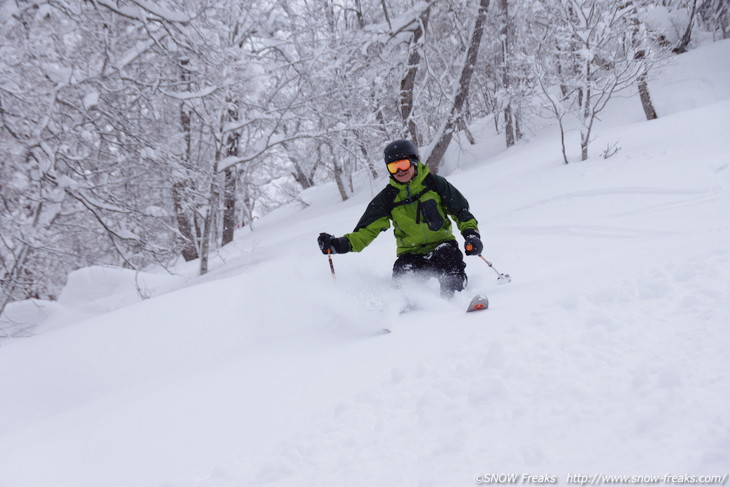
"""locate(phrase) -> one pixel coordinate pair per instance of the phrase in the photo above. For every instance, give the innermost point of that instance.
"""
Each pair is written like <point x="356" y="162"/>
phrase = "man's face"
<point x="405" y="176"/>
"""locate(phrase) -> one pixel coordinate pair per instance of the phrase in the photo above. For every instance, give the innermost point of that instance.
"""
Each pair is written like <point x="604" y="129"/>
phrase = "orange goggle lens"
<point x="401" y="165"/>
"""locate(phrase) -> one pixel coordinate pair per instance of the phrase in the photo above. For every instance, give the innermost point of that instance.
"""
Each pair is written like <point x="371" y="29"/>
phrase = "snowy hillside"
<point x="607" y="354"/>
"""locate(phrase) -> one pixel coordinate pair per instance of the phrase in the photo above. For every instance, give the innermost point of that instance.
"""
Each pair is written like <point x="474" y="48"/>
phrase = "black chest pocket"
<point x="428" y="213"/>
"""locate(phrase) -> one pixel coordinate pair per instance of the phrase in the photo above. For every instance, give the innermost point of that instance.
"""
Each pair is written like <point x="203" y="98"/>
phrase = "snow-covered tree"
<point x="591" y="49"/>
<point x="137" y="132"/>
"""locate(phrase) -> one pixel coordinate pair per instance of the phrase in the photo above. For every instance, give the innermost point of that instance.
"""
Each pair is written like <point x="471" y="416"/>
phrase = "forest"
<point x="136" y="133"/>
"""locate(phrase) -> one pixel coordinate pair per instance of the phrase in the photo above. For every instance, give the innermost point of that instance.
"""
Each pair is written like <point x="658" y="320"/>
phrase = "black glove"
<point x="472" y="242"/>
<point x="335" y="245"/>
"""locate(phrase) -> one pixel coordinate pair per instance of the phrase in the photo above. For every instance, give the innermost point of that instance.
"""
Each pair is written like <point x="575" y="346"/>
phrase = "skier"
<point x="418" y="203"/>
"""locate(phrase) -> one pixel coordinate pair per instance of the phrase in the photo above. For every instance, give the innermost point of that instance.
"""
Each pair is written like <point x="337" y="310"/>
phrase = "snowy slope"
<point x="607" y="353"/>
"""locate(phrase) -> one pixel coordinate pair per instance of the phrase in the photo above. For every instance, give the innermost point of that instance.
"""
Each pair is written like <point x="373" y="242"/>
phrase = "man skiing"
<point x="419" y="204"/>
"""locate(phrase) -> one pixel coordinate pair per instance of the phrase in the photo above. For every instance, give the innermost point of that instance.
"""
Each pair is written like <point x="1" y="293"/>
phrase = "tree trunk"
<point x="368" y="161"/>
<point x="385" y="12"/>
<point x="339" y="179"/>
<point x="330" y="15"/>
<point x="304" y="180"/>
<point x="447" y="131"/>
<point x="467" y="133"/>
<point x="559" y="65"/>
<point x="358" y="13"/>
<point x="687" y="37"/>
<point x="210" y="216"/>
<point x="229" y="205"/>
<point x="640" y="56"/>
<point x="189" y="249"/>
<point x="645" y="97"/>
<point x="518" y="129"/>
<point x="509" y="132"/>
<point x="231" y="179"/>
<point x="208" y="225"/>
<point x="338" y="170"/>
<point x="180" y="188"/>
<point x="588" y="115"/>
<point x="409" y="81"/>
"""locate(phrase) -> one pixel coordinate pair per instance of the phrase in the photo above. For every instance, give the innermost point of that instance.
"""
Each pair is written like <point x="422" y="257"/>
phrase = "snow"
<point x="89" y="292"/>
<point x="606" y="354"/>
<point x="189" y="95"/>
<point x="91" y="99"/>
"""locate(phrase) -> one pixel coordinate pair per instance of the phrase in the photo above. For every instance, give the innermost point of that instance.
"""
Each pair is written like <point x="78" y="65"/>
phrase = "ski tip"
<point x="478" y="303"/>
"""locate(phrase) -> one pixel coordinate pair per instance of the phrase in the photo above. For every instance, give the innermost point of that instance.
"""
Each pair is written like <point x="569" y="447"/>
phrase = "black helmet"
<point x="400" y="149"/>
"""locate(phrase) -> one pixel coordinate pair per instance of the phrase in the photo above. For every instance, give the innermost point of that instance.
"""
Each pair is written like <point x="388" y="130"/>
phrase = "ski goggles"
<point x="402" y="165"/>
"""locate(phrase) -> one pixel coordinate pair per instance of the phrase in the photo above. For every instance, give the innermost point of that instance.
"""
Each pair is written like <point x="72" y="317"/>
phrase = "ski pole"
<point x="501" y="278"/>
<point x="332" y="265"/>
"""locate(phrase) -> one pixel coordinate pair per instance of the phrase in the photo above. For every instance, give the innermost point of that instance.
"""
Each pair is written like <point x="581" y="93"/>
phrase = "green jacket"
<point x="419" y="211"/>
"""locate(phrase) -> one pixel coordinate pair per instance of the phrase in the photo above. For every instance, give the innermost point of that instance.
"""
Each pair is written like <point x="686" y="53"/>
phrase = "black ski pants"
<point x="446" y="263"/>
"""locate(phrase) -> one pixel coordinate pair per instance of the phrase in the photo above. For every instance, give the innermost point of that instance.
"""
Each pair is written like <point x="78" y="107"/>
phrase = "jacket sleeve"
<point x="376" y="219"/>
<point x="455" y="204"/>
